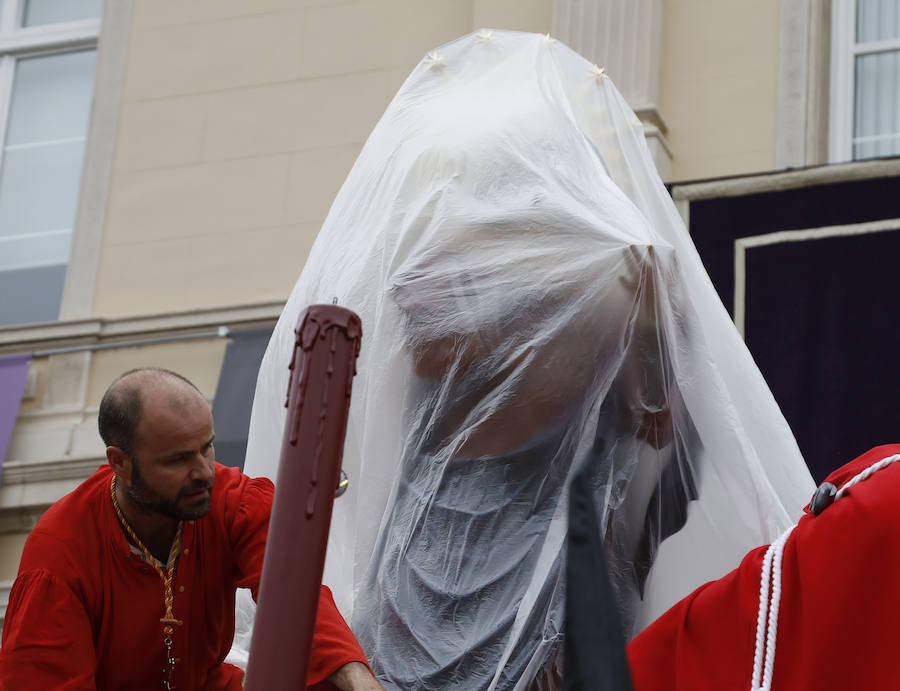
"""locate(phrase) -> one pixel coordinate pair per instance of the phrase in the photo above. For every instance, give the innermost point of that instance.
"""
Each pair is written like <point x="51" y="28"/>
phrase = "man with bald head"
<point x="129" y="581"/>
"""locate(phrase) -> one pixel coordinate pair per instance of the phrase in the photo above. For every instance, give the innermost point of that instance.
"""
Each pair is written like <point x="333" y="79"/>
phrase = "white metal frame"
<point x="844" y="51"/>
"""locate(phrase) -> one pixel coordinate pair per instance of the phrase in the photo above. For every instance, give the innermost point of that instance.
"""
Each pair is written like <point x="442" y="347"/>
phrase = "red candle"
<point x="318" y="401"/>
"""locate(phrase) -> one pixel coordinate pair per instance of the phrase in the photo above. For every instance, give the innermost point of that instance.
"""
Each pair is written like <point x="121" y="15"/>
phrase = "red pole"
<point x="318" y="401"/>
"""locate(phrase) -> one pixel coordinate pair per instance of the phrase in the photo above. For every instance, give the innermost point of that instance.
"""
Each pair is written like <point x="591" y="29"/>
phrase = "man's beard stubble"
<point x="149" y="500"/>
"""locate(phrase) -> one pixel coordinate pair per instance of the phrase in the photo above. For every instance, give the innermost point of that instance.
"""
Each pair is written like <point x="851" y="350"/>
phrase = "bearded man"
<point x="129" y="581"/>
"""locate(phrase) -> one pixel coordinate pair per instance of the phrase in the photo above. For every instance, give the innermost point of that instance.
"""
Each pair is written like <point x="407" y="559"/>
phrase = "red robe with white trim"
<point x="84" y="610"/>
<point x="839" y="622"/>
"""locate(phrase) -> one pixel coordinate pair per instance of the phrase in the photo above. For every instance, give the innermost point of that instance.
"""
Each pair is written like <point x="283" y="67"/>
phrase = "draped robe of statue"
<point x="531" y="301"/>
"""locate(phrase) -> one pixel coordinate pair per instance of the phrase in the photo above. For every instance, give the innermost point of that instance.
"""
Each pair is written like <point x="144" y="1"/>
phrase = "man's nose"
<point x="202" y="469"/>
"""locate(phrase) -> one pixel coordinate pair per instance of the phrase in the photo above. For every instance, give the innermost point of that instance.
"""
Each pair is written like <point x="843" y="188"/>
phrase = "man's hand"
<point x="355" y="676"/>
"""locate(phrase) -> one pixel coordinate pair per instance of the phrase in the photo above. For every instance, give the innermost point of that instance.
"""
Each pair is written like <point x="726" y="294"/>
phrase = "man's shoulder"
<point x="229" y="473"/>
<point x="234" y="492"/>
<point x="229" y="479"/>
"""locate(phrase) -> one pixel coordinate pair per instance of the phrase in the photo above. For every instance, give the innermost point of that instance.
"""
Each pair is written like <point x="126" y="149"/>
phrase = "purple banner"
<point x="13" y="373"/>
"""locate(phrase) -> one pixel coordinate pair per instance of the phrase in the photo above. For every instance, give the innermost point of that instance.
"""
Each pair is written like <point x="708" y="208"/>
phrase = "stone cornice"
<point x="28" y="489"/>
<point x="87" y="332"/>
<point x="19" y="472"/>
<point x="649" y="114"/>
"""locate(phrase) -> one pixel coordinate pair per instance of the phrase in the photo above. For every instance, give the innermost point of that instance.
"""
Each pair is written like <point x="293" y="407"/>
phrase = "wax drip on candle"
<point x="306" y="336"/>
<point x="287" y="400"/>
<point x="323" y="414"/>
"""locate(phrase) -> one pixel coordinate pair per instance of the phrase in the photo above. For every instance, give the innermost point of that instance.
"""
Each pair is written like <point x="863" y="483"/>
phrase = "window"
<point x="47" y="53"/>
<point x="865" y="79"/>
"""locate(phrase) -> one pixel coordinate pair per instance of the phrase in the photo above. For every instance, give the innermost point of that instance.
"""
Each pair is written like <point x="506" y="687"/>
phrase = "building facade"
<point x="166" y="165"/>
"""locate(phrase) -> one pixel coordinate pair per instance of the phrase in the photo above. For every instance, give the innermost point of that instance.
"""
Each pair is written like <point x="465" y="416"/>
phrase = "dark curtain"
<point x="819" y="312"/>
<point x="234" y="393"/>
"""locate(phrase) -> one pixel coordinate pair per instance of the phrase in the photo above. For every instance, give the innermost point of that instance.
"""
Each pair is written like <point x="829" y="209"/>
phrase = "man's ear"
<point x="119" y="461"/>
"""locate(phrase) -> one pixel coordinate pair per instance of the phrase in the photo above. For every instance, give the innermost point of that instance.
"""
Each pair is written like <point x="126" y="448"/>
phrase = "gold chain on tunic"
<point x="166" y="575"/>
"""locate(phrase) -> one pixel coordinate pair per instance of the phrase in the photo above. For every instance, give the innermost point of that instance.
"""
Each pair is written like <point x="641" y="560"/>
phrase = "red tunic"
<point x="84" y="610"/>
<point x="839" y="604"/>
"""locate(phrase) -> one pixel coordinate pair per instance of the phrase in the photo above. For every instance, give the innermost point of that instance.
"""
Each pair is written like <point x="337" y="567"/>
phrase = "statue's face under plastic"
<point x="500" y="293"/>
<point x="434" y="358"/>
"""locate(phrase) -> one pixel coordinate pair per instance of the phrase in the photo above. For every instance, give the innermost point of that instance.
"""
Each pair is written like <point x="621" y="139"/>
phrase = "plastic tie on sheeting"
<point x="484" y="35"/>
<point x="598" y="73"/>
<point x="434" y="60"/>
<point x="549" y="39"/>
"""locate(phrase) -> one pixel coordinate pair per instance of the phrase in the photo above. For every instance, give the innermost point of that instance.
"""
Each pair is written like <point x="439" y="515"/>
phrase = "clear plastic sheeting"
<point x="531" y="301"/>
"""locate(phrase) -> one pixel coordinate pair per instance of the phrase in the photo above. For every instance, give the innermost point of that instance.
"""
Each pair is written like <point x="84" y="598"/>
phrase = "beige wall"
<point x="11" y="545"/>
<point x="719" y="85"/>
<point x="200" y="361"/>
<point x="239" y="122"/>
<point x="518" y="15"/>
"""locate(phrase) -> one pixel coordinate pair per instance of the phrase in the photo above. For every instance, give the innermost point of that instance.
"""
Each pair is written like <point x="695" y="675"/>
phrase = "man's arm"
<point x="334" y="646"/>
<point x="47" y="639"/>
<point x="355" y="676"/>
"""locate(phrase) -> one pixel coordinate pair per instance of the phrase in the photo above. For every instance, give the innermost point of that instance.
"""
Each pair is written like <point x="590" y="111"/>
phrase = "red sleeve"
<point x="248" y="503"/>
<point x="704" y="642"/>
<point x="47" y="639"/>
<point x="334" y="644"/>
<point x="838" y="602"/>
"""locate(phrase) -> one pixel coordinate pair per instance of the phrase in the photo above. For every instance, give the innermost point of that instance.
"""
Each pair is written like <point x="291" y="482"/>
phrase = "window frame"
<point x="18" y="42"/>
<point x="844" y="51"/>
